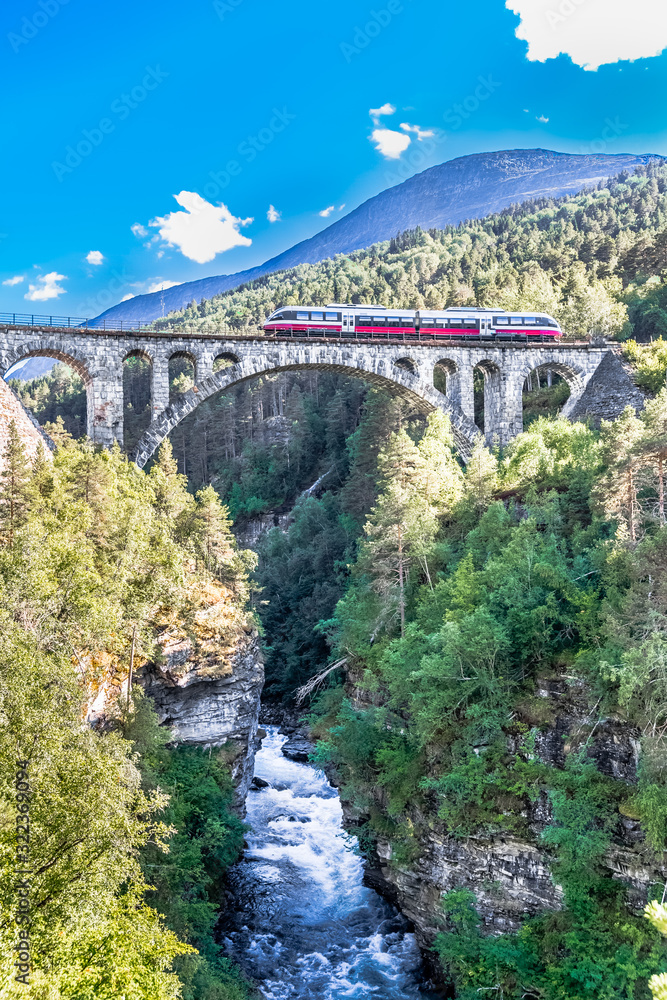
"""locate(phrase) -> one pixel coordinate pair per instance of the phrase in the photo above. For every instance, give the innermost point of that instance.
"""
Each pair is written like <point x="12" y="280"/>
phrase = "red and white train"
<point x="365" y="322"/>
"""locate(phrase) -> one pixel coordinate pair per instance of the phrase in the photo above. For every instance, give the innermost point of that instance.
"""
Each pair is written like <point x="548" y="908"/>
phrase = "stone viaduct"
<point x="404" y="368"/>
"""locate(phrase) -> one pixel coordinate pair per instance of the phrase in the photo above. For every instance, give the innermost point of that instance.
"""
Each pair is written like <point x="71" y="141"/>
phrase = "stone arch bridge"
<point x="403" y="368"/>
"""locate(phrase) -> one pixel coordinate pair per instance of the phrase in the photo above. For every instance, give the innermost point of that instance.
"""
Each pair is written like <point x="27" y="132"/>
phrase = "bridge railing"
<point x="163" y="328"/>
<point x="78" y="323"/>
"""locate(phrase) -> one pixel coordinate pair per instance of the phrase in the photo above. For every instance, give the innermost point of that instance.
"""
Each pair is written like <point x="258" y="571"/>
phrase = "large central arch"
<point x="378" y="371"/>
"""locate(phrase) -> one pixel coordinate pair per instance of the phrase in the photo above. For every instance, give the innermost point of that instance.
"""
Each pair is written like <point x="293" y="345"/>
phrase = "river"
<point x="306" y="927"/>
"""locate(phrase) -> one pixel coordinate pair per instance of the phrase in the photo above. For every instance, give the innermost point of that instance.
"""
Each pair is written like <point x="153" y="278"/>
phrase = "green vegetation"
<point x="458" y="608"/>
<point x="594" y="261"/>
<point x="58" y="394"/>
<point x="90" y="550"/>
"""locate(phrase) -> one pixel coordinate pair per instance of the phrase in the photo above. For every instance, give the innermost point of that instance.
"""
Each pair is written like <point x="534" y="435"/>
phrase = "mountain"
<point x="465" y="188"/>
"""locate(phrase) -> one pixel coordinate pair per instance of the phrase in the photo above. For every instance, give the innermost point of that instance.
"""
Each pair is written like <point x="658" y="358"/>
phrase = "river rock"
<point x="258" y="783"/>
<point x="297" y="748"/>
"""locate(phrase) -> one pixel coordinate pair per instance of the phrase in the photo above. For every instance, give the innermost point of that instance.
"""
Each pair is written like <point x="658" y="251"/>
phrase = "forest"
<point x="448" y="598"/>
<point x="592" y="260"/>
<point x="125" y="876"/>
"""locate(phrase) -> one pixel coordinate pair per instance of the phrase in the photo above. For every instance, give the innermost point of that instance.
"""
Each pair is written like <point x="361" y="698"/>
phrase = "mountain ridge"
<point x="449" y="193"/>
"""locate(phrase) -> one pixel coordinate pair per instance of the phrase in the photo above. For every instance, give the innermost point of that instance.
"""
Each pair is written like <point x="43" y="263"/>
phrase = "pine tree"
<point x="481" y="478"/>
<point x="400" y="526"/>
<point x="441" y="476"/>
<point x="617" y="491"/>
<point x="212" y="526"/>
<point x="15" y="485"/>
<point x="652" y="446"/>
<point x="171" y="495"/>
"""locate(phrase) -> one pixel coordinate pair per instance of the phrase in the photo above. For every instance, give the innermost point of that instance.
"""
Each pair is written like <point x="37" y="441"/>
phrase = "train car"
<point x="367" y="322"/>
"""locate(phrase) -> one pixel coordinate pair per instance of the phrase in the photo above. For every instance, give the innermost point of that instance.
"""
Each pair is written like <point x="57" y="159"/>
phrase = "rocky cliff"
<point x="511" y="874"/>
<point x="205" y="681"/>
<point x="211" y="703"/>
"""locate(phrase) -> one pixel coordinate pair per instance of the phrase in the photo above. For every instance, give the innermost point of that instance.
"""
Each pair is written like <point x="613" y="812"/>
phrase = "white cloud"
<point x="95" y="257"/>
<point x="541" y="118"/>
<point x="341" y="207"/>
<point x="273" y="215"/>
<point x="592" y="32"/>
<point x="47" y="287"/>
<point x="389" y="143"/>
<point x="158" y="285"/>
<point x="126" y="297"/>
<point x="203" y="230"/>
<point x="16" y="280"/>
<point x="377" y="113"/>
<point x="326" y="212"/>
<point x="139" y="230"/>
<point x="419" y="132"/>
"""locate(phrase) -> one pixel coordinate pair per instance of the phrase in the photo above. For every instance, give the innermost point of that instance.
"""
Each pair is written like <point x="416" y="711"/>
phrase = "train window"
<point x="500" y="320"/>
<point x="393" y="320"/>
<point x="407" y="321"/>
<point x="364" y="321"/>
<point x="428" y="322"/>
<point x="317" y="315"/>
<point x="331" y="317"/>
<point x="303" y="316"/>
<point x="456" y="322"/>
<point x="470" y="322"/>
<point x="516" y="321"/>
<point x="530" y="320"/>
<point x="378" y="320"/>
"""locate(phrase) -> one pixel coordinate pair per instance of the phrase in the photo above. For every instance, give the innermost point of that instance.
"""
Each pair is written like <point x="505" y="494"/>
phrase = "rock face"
<point x="31" y="434"/>
<point x="511" y="875"/>
<point x="212" y="706"/>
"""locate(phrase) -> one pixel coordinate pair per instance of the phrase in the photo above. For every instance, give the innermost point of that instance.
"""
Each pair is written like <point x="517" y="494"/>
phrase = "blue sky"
<point x="257" y="115"/>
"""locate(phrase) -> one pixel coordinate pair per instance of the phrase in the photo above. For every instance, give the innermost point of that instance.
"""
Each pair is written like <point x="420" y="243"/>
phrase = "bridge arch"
<point x="225" y="359"/>
<point x="396" y="380"/>
<point x="68" y="354"/>
<point x="408" y="365"/>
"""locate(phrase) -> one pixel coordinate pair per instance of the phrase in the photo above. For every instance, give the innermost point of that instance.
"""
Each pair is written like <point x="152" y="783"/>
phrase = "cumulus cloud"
<point x="420" y="133"/>
<point x="390" y="144"/>
<point x="47" y="287"/>
<point x="273" y="215"/>
<point x="126" y="297"/>
<point x="541" y="118"/>
<point x="95" y="257"/>
<point x="139" y="230"/>
<point x="592" y="32"/>
<point x="16" y="280"/>
<point x="203" y="230"/>
<point x="326" y="212"/>
<point x="159" y="285"/>
<point x="377" y="113"/>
